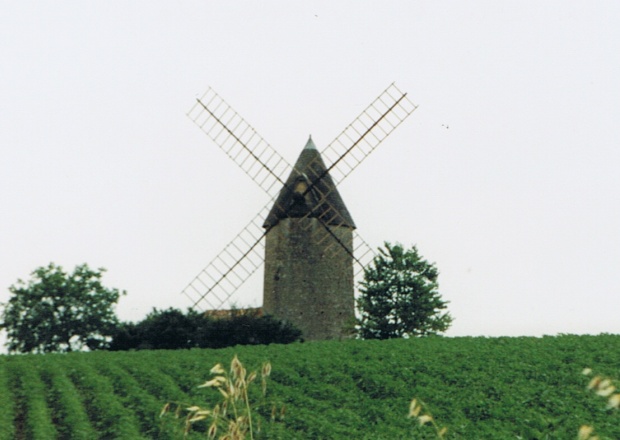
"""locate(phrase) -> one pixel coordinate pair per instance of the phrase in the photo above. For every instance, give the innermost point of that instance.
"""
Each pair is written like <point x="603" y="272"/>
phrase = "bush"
<point x="161" y="329"/>
<point x="243" y="327"/>
<point x="172" y="329"/>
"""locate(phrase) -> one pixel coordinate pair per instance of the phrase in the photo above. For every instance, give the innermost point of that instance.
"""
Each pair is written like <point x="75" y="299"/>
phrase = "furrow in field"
<point x="69" y="413"/>
<point x="108" y="415"/>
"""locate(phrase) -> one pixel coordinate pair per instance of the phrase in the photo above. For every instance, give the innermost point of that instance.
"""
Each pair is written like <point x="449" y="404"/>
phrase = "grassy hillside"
<point x="481" y="388"/>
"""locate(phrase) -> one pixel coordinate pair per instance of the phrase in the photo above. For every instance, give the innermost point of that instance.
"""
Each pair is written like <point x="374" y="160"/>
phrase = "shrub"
<point x="172" y="329"/>
<point x="245" y="328"/>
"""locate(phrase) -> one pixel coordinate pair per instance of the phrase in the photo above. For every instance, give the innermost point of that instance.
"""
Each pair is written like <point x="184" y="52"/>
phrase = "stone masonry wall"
<point x="309" y="277"/>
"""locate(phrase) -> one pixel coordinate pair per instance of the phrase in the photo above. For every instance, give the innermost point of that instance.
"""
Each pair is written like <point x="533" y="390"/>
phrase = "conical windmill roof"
<point x="310" y="189"/>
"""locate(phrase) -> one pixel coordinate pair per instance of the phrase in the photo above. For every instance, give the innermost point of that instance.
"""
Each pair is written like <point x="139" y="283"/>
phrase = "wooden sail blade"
<point x="261" y="162"/>
<point x="364" y="255"/>
<point x="366" y="132"/>
<point x="219" y="280"/>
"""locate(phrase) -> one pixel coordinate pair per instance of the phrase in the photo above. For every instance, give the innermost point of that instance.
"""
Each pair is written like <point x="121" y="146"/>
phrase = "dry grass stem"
<point x="231" y="419"/>
<point x="604" y="387"/>
<point x="419" y="411"/>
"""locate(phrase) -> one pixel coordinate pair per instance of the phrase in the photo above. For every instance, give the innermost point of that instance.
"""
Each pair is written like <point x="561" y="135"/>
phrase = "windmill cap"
<point x="320" y="199"/>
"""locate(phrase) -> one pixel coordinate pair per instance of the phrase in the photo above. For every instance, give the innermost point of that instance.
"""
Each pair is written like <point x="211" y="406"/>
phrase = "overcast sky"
<point x="506" y="176"/>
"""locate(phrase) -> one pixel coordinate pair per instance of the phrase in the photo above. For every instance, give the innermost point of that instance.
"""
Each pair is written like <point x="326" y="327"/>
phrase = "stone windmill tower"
<point x="305" y="234"/>
<point x="307" y="282"/>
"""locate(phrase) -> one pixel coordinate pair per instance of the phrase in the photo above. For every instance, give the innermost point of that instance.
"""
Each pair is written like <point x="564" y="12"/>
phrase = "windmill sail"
<point x="240" y="141"/>
<point x="366" y="132"/>
<point x="219" y="280"/>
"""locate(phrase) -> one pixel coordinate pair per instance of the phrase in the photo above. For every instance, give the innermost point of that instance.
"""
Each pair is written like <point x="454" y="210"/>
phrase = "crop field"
<point x="480" y="388"/>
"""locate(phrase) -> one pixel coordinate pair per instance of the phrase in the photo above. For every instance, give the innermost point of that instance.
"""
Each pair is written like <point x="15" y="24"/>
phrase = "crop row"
<point x="84" y="396"/>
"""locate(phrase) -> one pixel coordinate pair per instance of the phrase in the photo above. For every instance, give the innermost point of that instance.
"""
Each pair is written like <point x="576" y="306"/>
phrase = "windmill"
<point x="305" y="234"/>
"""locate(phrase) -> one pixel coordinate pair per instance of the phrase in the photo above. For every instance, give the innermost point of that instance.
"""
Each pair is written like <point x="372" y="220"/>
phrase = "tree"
<point x="57" y="311"/>
<point x="399" y="296"/>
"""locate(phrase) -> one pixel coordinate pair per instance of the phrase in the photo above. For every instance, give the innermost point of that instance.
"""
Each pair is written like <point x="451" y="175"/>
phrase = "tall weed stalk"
<point x="231" y="417"/>
<point x="603" y="387"/>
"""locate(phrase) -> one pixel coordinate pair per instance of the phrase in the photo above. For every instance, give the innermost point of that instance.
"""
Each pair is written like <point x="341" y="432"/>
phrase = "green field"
<point x="481" y="388"/>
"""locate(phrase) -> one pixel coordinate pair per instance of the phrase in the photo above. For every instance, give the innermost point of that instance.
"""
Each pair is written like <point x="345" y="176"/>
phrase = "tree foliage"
<point x="400" y="297"/>
<point x="58" y="311"/>
<point x="246" y="328"/>
<point x="160" y="329"/>
<point x="173" y="329"/>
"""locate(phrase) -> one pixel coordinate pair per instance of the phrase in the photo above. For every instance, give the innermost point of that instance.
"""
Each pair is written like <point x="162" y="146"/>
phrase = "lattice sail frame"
<point x="259" y="160"/>
<point x="221" y="278"/>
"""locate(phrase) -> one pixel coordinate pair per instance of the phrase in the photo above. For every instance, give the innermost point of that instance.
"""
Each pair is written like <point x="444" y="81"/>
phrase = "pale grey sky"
<point x="506" y="175"/>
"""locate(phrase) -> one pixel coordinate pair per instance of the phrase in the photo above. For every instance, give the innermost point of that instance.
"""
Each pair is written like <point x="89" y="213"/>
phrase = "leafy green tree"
<point x="399" y="296"/>
<point x="58" y="311"/>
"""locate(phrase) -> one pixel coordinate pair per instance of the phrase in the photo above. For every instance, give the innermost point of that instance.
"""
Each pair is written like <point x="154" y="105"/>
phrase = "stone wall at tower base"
<point x="309" y="277"/>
